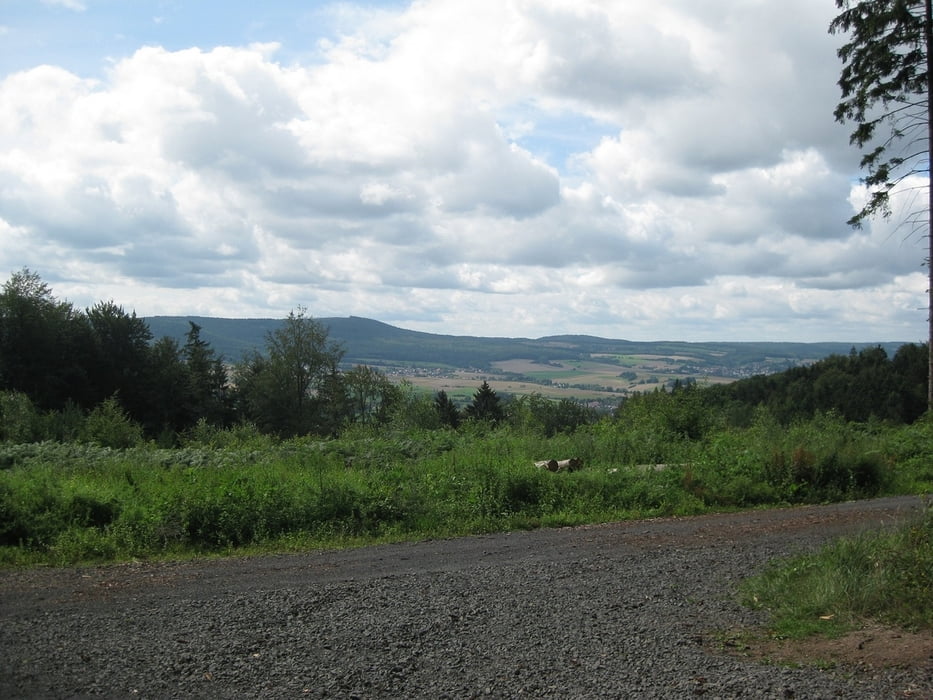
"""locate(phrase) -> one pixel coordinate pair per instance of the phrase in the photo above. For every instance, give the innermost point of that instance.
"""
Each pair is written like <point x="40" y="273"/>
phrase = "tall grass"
<point x="228" y="490"/>
<point x="885" y="576"/>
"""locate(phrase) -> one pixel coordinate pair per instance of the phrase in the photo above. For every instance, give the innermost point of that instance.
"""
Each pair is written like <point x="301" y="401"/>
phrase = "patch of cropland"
<point x="582" y="367"/>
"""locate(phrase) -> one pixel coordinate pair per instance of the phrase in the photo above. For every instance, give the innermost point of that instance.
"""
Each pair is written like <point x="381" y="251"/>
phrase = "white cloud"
<point x="418" y="172"/>
<point x="67" y="4"/>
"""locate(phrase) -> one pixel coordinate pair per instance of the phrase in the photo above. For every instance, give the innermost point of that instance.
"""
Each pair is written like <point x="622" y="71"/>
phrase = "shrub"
<point x="521" y="492"/>
<point x="239" y="436"/>
<point x="18" y="417"/>
<point x="83" y="510"/>
<point x="62" y="426"/>
<point x="31" y="514"/>
<point x="109" y="426"/>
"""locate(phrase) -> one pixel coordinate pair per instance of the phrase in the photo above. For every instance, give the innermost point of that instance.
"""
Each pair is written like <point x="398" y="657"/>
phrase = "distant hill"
<point x="367" y="341"/>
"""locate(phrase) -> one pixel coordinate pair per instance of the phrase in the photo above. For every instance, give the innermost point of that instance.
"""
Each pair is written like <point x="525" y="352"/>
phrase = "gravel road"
<point x="625" y="610"/>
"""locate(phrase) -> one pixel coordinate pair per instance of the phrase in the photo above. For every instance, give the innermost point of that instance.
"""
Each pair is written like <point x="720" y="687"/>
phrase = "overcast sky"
<point x="642" y="170"/>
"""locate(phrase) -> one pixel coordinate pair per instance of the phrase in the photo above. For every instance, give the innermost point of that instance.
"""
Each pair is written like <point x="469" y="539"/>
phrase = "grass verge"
<point x="884" y="577"/>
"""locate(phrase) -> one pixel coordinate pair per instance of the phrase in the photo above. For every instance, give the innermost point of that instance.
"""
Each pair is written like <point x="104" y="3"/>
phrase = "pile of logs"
<point x="562" y="465"/>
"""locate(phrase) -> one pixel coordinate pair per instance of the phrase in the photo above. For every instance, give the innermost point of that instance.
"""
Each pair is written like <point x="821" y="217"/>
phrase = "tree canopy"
<point x="886" y="84"/>
<point x="98" y="375"/>
<point x="293" y="389"/>
<point x="486" y="405"/>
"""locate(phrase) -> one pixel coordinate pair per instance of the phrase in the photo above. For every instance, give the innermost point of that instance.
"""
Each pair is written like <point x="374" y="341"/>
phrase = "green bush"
<point x="15" y="518"/>
<point x="33" y="512"/>
<point x="18" y="417"/>
<point x="240" y="436"/>
<point x="910" y="450"/>
<point x="234" y="488"/>
<point x="84" y="510"/>
<point x="64" y="425"/>
<point x="109" y="426"/>
<point x="521" y="492"/>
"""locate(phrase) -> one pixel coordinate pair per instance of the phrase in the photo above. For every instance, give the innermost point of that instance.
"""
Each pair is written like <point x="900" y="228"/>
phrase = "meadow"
<point x="235" y="490"/>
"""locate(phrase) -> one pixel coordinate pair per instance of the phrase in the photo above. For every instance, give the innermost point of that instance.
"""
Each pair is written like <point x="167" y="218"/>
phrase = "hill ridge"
<point x="370" y="340"/>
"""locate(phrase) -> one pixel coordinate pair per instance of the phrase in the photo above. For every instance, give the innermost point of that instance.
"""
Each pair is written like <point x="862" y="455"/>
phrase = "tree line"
<point x="102" y="363"/>
<point x="101" y="366"/>
<point x="860" y="387"/>
<point x="67" y="361"/>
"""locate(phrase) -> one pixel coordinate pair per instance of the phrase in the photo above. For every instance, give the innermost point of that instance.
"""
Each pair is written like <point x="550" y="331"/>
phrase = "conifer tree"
<point x="485" y="405"/>
<point x="446" y="409"/>
<point x="886" y="82"/>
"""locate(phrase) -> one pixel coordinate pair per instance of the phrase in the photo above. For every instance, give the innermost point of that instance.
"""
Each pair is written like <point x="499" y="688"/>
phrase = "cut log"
<point x="563" y="465"/>
<point x="569" y="465"/>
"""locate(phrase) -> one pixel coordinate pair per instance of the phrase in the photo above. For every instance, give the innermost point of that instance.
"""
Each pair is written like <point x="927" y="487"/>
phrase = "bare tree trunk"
<point x="928" y="41"/>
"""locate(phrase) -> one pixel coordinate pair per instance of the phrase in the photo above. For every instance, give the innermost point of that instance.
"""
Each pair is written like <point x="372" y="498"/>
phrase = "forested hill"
<point x="367" y="341"/>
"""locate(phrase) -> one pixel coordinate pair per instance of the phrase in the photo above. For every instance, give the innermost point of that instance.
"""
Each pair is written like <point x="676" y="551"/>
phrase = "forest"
<point x="116" y="445"/>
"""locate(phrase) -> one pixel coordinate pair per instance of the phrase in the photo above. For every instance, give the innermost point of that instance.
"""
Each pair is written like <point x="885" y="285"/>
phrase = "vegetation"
<point x="485" y="405"/>
<point x="294" y="389"/>
<point x="882" y="576"/>
<point x="381" y="345"/>
<point x="117" y="445"/>
<point x="128" y="447"/>
<point x="886" y="82"/>
<point x="108" y="495"/>
<point x="859" y="386"/>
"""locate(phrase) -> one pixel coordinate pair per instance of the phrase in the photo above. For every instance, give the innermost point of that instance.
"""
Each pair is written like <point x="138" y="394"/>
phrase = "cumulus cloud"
<point x="630" y="170"/>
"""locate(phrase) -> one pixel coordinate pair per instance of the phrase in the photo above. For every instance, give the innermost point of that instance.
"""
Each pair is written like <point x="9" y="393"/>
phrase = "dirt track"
<point x="609" y="610"/>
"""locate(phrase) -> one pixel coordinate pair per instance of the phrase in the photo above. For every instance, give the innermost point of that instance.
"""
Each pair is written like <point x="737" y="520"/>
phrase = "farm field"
<point x="581" y="380"/>
<point x="627" y="373"/>
<point x="598" y="371"/>
<point x="461" y="384"/>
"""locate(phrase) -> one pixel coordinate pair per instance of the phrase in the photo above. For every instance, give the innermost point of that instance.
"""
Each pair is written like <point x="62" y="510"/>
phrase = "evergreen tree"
<point x="446" y="410"/>
<point x="122" y="365"/>
<point x="206" y="380"/>
<point x="45" y="344"/>
<point x="886" y="82"/>
<point x="168" y="389"/>
<point x="485" y="405"/>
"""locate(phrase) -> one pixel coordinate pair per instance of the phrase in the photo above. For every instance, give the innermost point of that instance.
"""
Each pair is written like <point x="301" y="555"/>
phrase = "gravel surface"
<point x="626" y="610"/>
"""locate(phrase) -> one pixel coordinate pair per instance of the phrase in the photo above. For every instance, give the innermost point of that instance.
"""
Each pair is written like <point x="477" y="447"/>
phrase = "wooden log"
<point x="563" y="465"/>
<point x="569" y="465"/>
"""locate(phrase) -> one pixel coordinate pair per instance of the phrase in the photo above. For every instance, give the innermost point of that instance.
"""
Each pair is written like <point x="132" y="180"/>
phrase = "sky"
<point x="666" y="170"/>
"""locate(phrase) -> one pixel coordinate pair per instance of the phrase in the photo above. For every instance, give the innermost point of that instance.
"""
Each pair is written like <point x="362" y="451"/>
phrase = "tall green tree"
<point x="292" y="389"/>
<point x="206" y="379"/>
<point x="168" y="390"/>
<point x="45" y="344"/>
<point x="485" y="405"/>
<point x="122" y="365"/>
<point x="371" y="394"/>
<point x="446" y="410"/>
<point x="886" y="82"/>
<point x="255" y="393"/>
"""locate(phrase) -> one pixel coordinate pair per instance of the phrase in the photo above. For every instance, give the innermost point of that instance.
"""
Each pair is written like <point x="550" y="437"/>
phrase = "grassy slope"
<point x="885" y="577"/>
